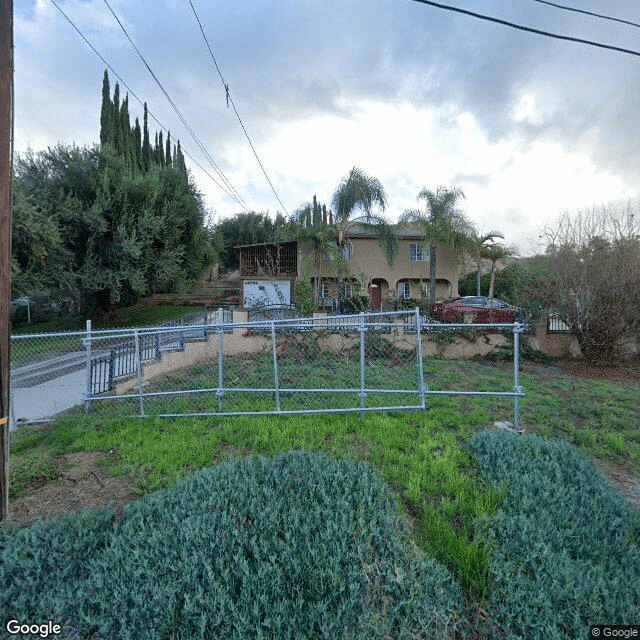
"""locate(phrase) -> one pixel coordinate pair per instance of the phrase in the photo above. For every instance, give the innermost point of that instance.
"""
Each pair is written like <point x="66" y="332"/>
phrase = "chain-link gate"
<point x="364" y="362"/>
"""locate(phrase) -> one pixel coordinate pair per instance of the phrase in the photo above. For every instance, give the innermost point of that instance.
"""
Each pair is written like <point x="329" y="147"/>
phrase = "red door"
<point x="376" y="297"/>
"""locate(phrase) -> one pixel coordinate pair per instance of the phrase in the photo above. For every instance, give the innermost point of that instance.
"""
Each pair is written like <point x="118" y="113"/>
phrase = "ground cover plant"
<point x="422" y="456"/>
<point x="567" y="542"/>
<point x="297" y="546"/>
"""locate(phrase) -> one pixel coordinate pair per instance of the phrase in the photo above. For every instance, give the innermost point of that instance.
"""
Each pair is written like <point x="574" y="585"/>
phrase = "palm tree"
<point x="441" y="222"/>
<point x="494" y="253"/>
<point x="353" y="203"/>
<point x="309" y="226"/>
<point x="484" y="243"/>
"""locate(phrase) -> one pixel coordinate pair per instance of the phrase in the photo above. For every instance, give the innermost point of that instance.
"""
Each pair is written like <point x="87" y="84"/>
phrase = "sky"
<point x="528" y="127"/>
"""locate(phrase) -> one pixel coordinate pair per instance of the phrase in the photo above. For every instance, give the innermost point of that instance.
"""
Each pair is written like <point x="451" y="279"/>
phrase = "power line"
<point x="529" y="29"/>
<point x="589" y="13"/>
<point x="121" y="79"/>
<point x="237" y="197"/>
<point x="230" y="100"/>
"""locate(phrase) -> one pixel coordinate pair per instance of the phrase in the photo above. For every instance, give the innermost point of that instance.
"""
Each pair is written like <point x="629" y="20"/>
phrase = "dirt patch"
<point x="624" y="478"/>
<point x="83" y="485"/>
<point x="626" y="373"/>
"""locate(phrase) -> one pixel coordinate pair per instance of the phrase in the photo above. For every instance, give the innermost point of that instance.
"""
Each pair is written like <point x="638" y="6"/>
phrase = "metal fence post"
<point x="220" y="330"/>
<point x="87" y="344"/>
<point x="275" y="364"/>
<point x="363" y="395"/>
<point x="517" y="330"/>
<point x="421" y="386"/>
<point x="139" y="371"/>
<point x="205" y="322"/>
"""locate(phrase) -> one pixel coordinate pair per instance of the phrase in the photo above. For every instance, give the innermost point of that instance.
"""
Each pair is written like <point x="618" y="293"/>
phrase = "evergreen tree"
<point x="160" y="150"/>
<point x="147" y="152"/>
<point x="106" y="123"/>
<point x="125" y="128"/>
<point x="167" y="154"/>
<point x="115" y="117"/>
<point x="137" y="147"/>
<point x="181" y="163"/>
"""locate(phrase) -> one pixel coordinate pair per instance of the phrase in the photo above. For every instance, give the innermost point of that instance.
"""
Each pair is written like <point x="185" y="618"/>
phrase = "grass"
<point x="421" y="455"/>
<point x="138" y="315"/>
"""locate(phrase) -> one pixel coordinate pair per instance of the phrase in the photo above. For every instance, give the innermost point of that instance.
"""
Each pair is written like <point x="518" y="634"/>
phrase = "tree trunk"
<point x="478" y="279"/>
<point x="492" y="280"/>
<point x="432" y="272"/>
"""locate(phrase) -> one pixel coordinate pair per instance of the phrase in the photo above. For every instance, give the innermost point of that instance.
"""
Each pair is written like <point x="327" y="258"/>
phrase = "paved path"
<point x="45" y="400"/>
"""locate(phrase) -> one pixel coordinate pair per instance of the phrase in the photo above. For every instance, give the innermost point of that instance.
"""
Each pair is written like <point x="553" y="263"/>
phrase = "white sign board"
<point x="266" y="292"/>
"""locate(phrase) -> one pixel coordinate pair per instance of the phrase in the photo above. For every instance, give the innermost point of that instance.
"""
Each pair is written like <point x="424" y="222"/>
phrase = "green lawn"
<point x="138" y="315"/>
<point x="423" y="456"/>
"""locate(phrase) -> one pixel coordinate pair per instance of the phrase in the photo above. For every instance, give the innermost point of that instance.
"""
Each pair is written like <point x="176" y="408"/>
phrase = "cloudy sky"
<point x="414" y="95"/>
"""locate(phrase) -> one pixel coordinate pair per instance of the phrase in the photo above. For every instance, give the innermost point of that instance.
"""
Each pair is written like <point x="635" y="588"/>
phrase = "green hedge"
<point x="567" y="542"/>
<point x="292" y="547"/>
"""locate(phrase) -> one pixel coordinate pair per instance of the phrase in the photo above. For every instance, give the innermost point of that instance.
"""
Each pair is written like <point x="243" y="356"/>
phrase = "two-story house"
<point x="268" y="271"/>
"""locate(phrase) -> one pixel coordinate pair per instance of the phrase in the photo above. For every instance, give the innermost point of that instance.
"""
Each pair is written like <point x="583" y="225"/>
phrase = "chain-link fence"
<point x="53" y="372"/>
<point x="364" y="362"/>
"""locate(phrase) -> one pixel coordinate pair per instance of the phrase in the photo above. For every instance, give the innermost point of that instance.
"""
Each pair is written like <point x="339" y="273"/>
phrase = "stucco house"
<point x="269" y="271"/>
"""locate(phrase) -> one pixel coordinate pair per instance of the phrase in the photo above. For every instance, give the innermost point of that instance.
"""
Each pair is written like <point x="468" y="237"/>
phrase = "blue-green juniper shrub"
<point x="293" y="547"/>
<point x="567" y="551"/>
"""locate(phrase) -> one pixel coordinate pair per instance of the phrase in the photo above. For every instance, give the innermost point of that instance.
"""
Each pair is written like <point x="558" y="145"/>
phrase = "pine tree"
<point x="106" y="124"/>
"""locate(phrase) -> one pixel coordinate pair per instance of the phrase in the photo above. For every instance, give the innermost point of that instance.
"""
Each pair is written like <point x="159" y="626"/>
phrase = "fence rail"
<point x="364" y="362"/>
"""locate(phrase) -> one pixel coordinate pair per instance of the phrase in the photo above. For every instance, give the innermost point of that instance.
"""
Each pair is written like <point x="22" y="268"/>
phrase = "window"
<point x="347" y="250"/>
<point x="348" y="290"/>
<point x="418" y="254"/>
<point x="329" y="255"/>
<point x="326" y="289"/>
<point x="404" y="290"/>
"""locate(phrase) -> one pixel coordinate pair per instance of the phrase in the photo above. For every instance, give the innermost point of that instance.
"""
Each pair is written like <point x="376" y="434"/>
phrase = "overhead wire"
<point x="150" y="113"/>
<point x="589" y="13"/>
<point x="529" y="29"/>
<point x="202" y="148"/>
<point x="230" y="100"/>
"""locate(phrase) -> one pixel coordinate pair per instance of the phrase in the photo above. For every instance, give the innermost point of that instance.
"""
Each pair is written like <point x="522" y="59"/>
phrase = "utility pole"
<point x="6" y="173"/>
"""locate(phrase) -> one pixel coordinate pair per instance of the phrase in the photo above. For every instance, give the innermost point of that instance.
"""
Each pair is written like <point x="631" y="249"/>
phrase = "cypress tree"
<point x="137" y="147"/>
<point x="147" y="152"/>
<point x="181" y="163"/>
<point x="125" y="128"/>
<point x="106" y="124"/>
<point x="167" y="154"/>
<point x="160" y="150"/>
<point x="115" y="118"/>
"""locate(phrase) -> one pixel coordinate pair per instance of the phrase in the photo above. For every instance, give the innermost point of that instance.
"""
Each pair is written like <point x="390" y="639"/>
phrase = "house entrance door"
<point x="376" y="296"/>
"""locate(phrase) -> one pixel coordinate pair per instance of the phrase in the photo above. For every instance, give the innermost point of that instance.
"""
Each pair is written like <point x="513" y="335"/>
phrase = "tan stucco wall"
<point x="369" y="259"/>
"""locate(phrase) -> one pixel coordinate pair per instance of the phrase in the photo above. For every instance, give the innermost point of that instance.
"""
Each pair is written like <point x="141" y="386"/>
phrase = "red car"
<point x="480" y="309"/>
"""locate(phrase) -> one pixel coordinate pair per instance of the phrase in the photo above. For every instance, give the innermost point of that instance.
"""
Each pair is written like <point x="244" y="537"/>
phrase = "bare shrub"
<point x="592" y="278"/>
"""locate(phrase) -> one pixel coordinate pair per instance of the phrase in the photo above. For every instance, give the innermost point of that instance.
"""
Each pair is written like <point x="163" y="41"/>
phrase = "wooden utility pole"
<point x="6" y="172"/>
